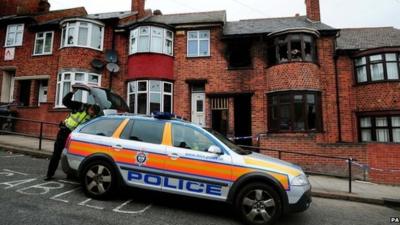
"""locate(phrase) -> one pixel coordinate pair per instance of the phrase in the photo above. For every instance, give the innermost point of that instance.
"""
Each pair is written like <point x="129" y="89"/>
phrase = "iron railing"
<point x="9" y="126"/>
<point x="349" y="159"/>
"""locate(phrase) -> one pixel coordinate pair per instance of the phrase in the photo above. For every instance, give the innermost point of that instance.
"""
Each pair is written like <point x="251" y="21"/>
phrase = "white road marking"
<point x="15" y="183"/>
<point x="118" y="209"/>
<point x="56" y="197"/>
<point x="10" y="173"/>
<point x="44" y="187"/>
<point x="90" y="206"/>
<point x="11" y="156"/>
<point x="69" y="182"/>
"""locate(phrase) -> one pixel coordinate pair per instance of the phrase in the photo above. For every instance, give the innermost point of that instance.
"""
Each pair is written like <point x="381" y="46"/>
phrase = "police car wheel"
<point x="258" y="204"/>
<point x="99" y="179"/>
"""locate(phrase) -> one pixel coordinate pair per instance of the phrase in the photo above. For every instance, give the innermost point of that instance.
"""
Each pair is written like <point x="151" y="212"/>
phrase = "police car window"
<point x="144" y="131"/>
<point x="103" y="127"/>
<point x="190" y="138"/>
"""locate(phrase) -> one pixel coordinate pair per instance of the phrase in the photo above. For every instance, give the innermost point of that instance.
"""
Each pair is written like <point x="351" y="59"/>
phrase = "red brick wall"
<point x="384" y="161"/>
<point x="157" y="66"/>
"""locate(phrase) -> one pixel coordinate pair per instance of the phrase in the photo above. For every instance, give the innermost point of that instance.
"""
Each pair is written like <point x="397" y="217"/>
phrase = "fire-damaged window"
<point x="294" y="48"/>
<point x="379" y="128"/>
<point x="296" y="111"/>
<point x="238" y="54"/>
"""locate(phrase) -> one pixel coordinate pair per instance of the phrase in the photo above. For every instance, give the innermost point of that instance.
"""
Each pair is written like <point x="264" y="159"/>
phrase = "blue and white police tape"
<point x="366" y="167"/>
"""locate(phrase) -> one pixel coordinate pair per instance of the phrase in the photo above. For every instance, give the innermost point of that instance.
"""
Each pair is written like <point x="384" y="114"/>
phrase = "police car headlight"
<point x="300" y="180"/>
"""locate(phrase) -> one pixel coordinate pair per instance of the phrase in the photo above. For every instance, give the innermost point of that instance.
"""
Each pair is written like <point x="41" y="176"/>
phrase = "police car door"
<point x="192" y="169"/>
<point x="143" y="157"/>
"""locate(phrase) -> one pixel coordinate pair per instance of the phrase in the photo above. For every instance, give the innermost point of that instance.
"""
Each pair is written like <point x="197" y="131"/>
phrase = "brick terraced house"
<point x="292" y="83"/>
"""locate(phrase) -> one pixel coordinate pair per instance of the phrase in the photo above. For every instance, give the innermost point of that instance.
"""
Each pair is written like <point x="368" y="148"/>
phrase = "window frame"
<point x="286" y="40"/>
<point x="148" y="92"/>
<point x="44" y="43"/>
<point x="369" y="63"/>
<point x="291" y="104"/>
<point x="61" y="80"/>
<point x="373" y="128"/>
<point x="198" y="39"/>
<point x="75" y="25"/>
<point x="135" y="33"/>
<point x="14" y="44"/>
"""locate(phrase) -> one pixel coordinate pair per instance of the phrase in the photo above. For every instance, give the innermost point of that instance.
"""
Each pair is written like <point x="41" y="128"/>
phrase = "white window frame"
<point x="14" y="44"/>
<point x="148" y="92"/>
<point x="136" y="34"/>
<point x="72" y="81"/>
<point x="44" y="42"/>
<point x="198" y="39"/>
<point x="76" y="24"/>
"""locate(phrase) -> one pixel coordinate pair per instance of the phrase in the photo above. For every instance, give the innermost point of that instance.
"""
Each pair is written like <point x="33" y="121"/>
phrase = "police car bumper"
<point x="303" y="203"/>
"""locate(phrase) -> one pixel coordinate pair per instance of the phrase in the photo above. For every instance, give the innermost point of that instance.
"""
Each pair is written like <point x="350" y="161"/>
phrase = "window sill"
<point x="38" y="55"/>
<point x="145" y="53"/>
<point x="198" y="57"/>
<point x="12" y="46"/>
<point x="375" y="82"/>
<point x="77" y="46"/>
<point x="377" y="142"/>
<point x="293" y="62"/>
<point x="241" y="68"/>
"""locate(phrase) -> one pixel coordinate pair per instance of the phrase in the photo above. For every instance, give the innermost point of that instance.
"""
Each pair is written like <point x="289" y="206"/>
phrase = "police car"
<point x="170" y="155"/>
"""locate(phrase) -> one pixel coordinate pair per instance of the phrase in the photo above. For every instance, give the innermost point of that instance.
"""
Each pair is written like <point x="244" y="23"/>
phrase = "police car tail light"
<point x="68" y="142"/>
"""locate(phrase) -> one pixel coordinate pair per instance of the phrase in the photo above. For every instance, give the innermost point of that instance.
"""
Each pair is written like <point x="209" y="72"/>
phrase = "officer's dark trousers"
<point x="59" y="145"/>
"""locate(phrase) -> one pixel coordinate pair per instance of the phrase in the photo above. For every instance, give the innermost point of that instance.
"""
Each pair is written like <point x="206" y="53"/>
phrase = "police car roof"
<point x="144" y="117"/>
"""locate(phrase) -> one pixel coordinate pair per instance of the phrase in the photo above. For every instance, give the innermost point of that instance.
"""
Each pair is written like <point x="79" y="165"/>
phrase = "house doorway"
<point x="242" y="105"/>
<point x="7" y="87"/>
<point x="198" y="105"/>
<point x="220" y="115"/>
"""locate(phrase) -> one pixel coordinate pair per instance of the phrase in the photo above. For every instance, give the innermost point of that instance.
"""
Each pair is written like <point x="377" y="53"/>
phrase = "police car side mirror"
<point x="215" y="150"/>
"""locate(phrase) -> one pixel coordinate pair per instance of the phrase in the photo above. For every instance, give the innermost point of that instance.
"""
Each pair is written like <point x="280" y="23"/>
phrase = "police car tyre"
<point x="99" y="179"/>
<point x="258" y="204"/>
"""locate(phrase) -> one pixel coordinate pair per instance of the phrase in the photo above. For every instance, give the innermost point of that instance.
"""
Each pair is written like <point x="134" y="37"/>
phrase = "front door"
<point x="196" y="171"/>
<point x="43" y="91"/>
<point x="198" y="109"/>
<point x="7" y="89"/>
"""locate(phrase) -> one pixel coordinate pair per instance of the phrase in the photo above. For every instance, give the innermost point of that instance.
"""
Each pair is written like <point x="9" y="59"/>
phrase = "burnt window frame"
<point x="318" y="111"/>
<point x="373" y="127"/>
<point x="287" y="39"/>
<point x="247" y="44"/>
<point x="369" y="63"/>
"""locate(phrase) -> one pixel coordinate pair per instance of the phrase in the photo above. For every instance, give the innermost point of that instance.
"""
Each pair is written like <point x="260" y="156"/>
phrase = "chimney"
<point x="44" y="6"/>
<point x="313" y="12"/>
<point x="138" y="6"/>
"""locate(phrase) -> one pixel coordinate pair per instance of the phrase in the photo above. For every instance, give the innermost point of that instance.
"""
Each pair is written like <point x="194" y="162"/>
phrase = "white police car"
<point x="171" y="155"/>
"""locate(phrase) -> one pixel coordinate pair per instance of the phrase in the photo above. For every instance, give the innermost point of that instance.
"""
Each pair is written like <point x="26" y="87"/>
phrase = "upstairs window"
<point x="238" y="54"/>
<point x="82" y="34"/>
<point x="294" y="48"/>
<point x="151" y="39"/>
<point x="43" y="43"/>
<point x="296" y="111"/>
<point x="376" y="68"/>
<point x="14" y="36"/>
<point x="198" y="43"/>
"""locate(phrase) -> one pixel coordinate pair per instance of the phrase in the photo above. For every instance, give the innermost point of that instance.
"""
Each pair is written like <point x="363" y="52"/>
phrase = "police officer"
<point x="80" y="114"/>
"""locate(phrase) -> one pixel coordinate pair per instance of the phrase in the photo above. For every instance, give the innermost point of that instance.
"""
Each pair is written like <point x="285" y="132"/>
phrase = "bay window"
<point x="151" y="39"/>
<point x="380" y="128"/>
<point x="65" y="81"/>
<point x="296" y="111"/>
<point x="147" y="96"/>
<point x="378" y="67"/>
<point x="295" y="47"/>
<point x="82" y="34"/>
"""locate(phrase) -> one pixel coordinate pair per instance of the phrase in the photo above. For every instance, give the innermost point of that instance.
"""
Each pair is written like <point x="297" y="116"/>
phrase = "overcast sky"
<point x="337" y="13"/>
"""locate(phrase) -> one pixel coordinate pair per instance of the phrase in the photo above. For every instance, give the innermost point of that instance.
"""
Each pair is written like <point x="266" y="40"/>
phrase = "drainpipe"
<point x="339" y="118"/>
<point x="113" y="48"/>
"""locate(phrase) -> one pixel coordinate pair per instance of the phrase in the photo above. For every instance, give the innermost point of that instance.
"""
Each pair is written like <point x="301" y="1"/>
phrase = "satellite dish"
<point x="111" y="56"/>
<point x="112" y="67"/>
<point x="97" y="64"/>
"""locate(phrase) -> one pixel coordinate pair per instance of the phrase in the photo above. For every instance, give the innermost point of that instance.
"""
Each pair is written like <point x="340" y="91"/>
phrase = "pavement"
<point x="322" y="186"/>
